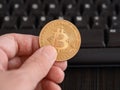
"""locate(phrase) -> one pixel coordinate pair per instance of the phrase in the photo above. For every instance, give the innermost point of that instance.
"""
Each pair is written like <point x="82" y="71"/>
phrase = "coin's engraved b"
<point x="60" y="39"/>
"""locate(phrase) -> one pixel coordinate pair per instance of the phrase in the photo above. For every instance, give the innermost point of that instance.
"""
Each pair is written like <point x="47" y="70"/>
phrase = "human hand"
<point x="23" y="66"/>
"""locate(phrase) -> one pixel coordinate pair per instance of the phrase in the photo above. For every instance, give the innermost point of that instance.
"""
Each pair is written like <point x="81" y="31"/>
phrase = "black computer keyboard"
<point x="99" y="24"/>
<point x="97" y="20"/>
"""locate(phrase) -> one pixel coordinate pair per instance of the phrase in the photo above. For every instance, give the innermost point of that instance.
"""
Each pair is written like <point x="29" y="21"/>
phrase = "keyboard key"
<point x="70" y="10"/>
<point x="27" y="22"/>
<point x="115" y="1"/>
<point x="114" y="35"/>
<point x="9" y="22"/>
<point x="92" y="38"/>
<point x="67" y="2"/>
<point x="36" y="9"/>
<point x="98" y="2"/>
<point x="52" y="7"/>
<point x="114" y="22"/>
<point x="32" y="1"/>
<point x="42" y="20"/>
<point x="3" y="1"/>
<point x="4" y="10"/>
<point x="82" y="22"/>
<point x="69" y="7"/>
<point x="15" y="1"/>
<point x="46" y="2"/>
<point x="114" y="31"/>
<point x="18" y="9"/>
<point x="98" y="22"/>
<point x="88" y="10"/>
<point x="64" y="18"/>
<point x="53" y="10"/>
<point x="106" y="10"/>
<point x="84" y="2"/>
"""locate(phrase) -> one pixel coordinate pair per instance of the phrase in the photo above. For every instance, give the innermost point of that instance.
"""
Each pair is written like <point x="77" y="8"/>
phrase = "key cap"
<point x="98" y="2"/>
<point x="84" y="1"/>
<point x="36" y="9"/>
<point x="106" y="10"/>
<point x="64" y="18"/>
<point x="98" y="22"/>
<point x="46" y="2"/>
<point x="52" y="7"/>
<point x="15" y="1"/>
<point x="81" y="22"/>
<point x="114" y="35"/>
<point x="27" y="22"/>
<point x="3" y="1"/>
<point x="89" y="10"/>
<point x="68" y="7"/>
<point x="53" y="10"/>
<point x="114" y="21"/>
<point x="18" y="9"/>
<point x="71" y="10"/>
<point x="32" y="1"/>
<point x="92" y="38"/>
<point x="114" y="31"/>
<point x="67" y="2"/>
<point x="4" y="9"/>
<point x="9" y="22"/>
<point x="115" y="2"/>
<point x="42" y="20"/>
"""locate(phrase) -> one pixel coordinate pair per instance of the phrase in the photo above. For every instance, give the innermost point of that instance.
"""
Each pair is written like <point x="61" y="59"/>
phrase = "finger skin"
<point x="56" y="74"/>
<point x="16" y="62"/>
<point x="62" y="65"/>
<point x="38" y="65"/>
<point x="49" y="85"/>
<point x="19" y="44"/>
<point x="34" y="69"/>
<point x="3" y="60"/>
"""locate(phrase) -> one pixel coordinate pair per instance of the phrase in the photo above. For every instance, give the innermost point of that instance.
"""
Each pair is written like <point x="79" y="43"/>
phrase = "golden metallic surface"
<point x="64" y="36"/>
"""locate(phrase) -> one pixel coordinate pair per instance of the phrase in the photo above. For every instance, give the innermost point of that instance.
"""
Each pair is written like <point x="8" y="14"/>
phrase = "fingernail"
<point x="50" y="52"/>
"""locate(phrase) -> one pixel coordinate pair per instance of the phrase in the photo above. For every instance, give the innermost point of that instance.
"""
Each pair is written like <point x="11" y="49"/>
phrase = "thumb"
<point x="38" y="65"/>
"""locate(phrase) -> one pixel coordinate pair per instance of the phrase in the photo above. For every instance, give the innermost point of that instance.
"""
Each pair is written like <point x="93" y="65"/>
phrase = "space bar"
<point x="96" y="56"/>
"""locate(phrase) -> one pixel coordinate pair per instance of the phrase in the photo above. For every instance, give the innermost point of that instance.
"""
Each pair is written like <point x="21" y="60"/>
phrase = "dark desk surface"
<point x="105" y="78"/>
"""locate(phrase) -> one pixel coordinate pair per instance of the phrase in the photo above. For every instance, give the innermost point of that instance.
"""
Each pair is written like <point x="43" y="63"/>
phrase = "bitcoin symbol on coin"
<point x="60" y="39"/>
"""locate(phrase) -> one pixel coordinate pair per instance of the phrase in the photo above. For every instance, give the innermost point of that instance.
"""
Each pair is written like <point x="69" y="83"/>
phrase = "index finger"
<point x="18" y="44"/>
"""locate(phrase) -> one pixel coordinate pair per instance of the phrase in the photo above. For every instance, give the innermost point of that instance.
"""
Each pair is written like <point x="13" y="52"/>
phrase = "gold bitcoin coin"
<point x="64" y="36"/>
